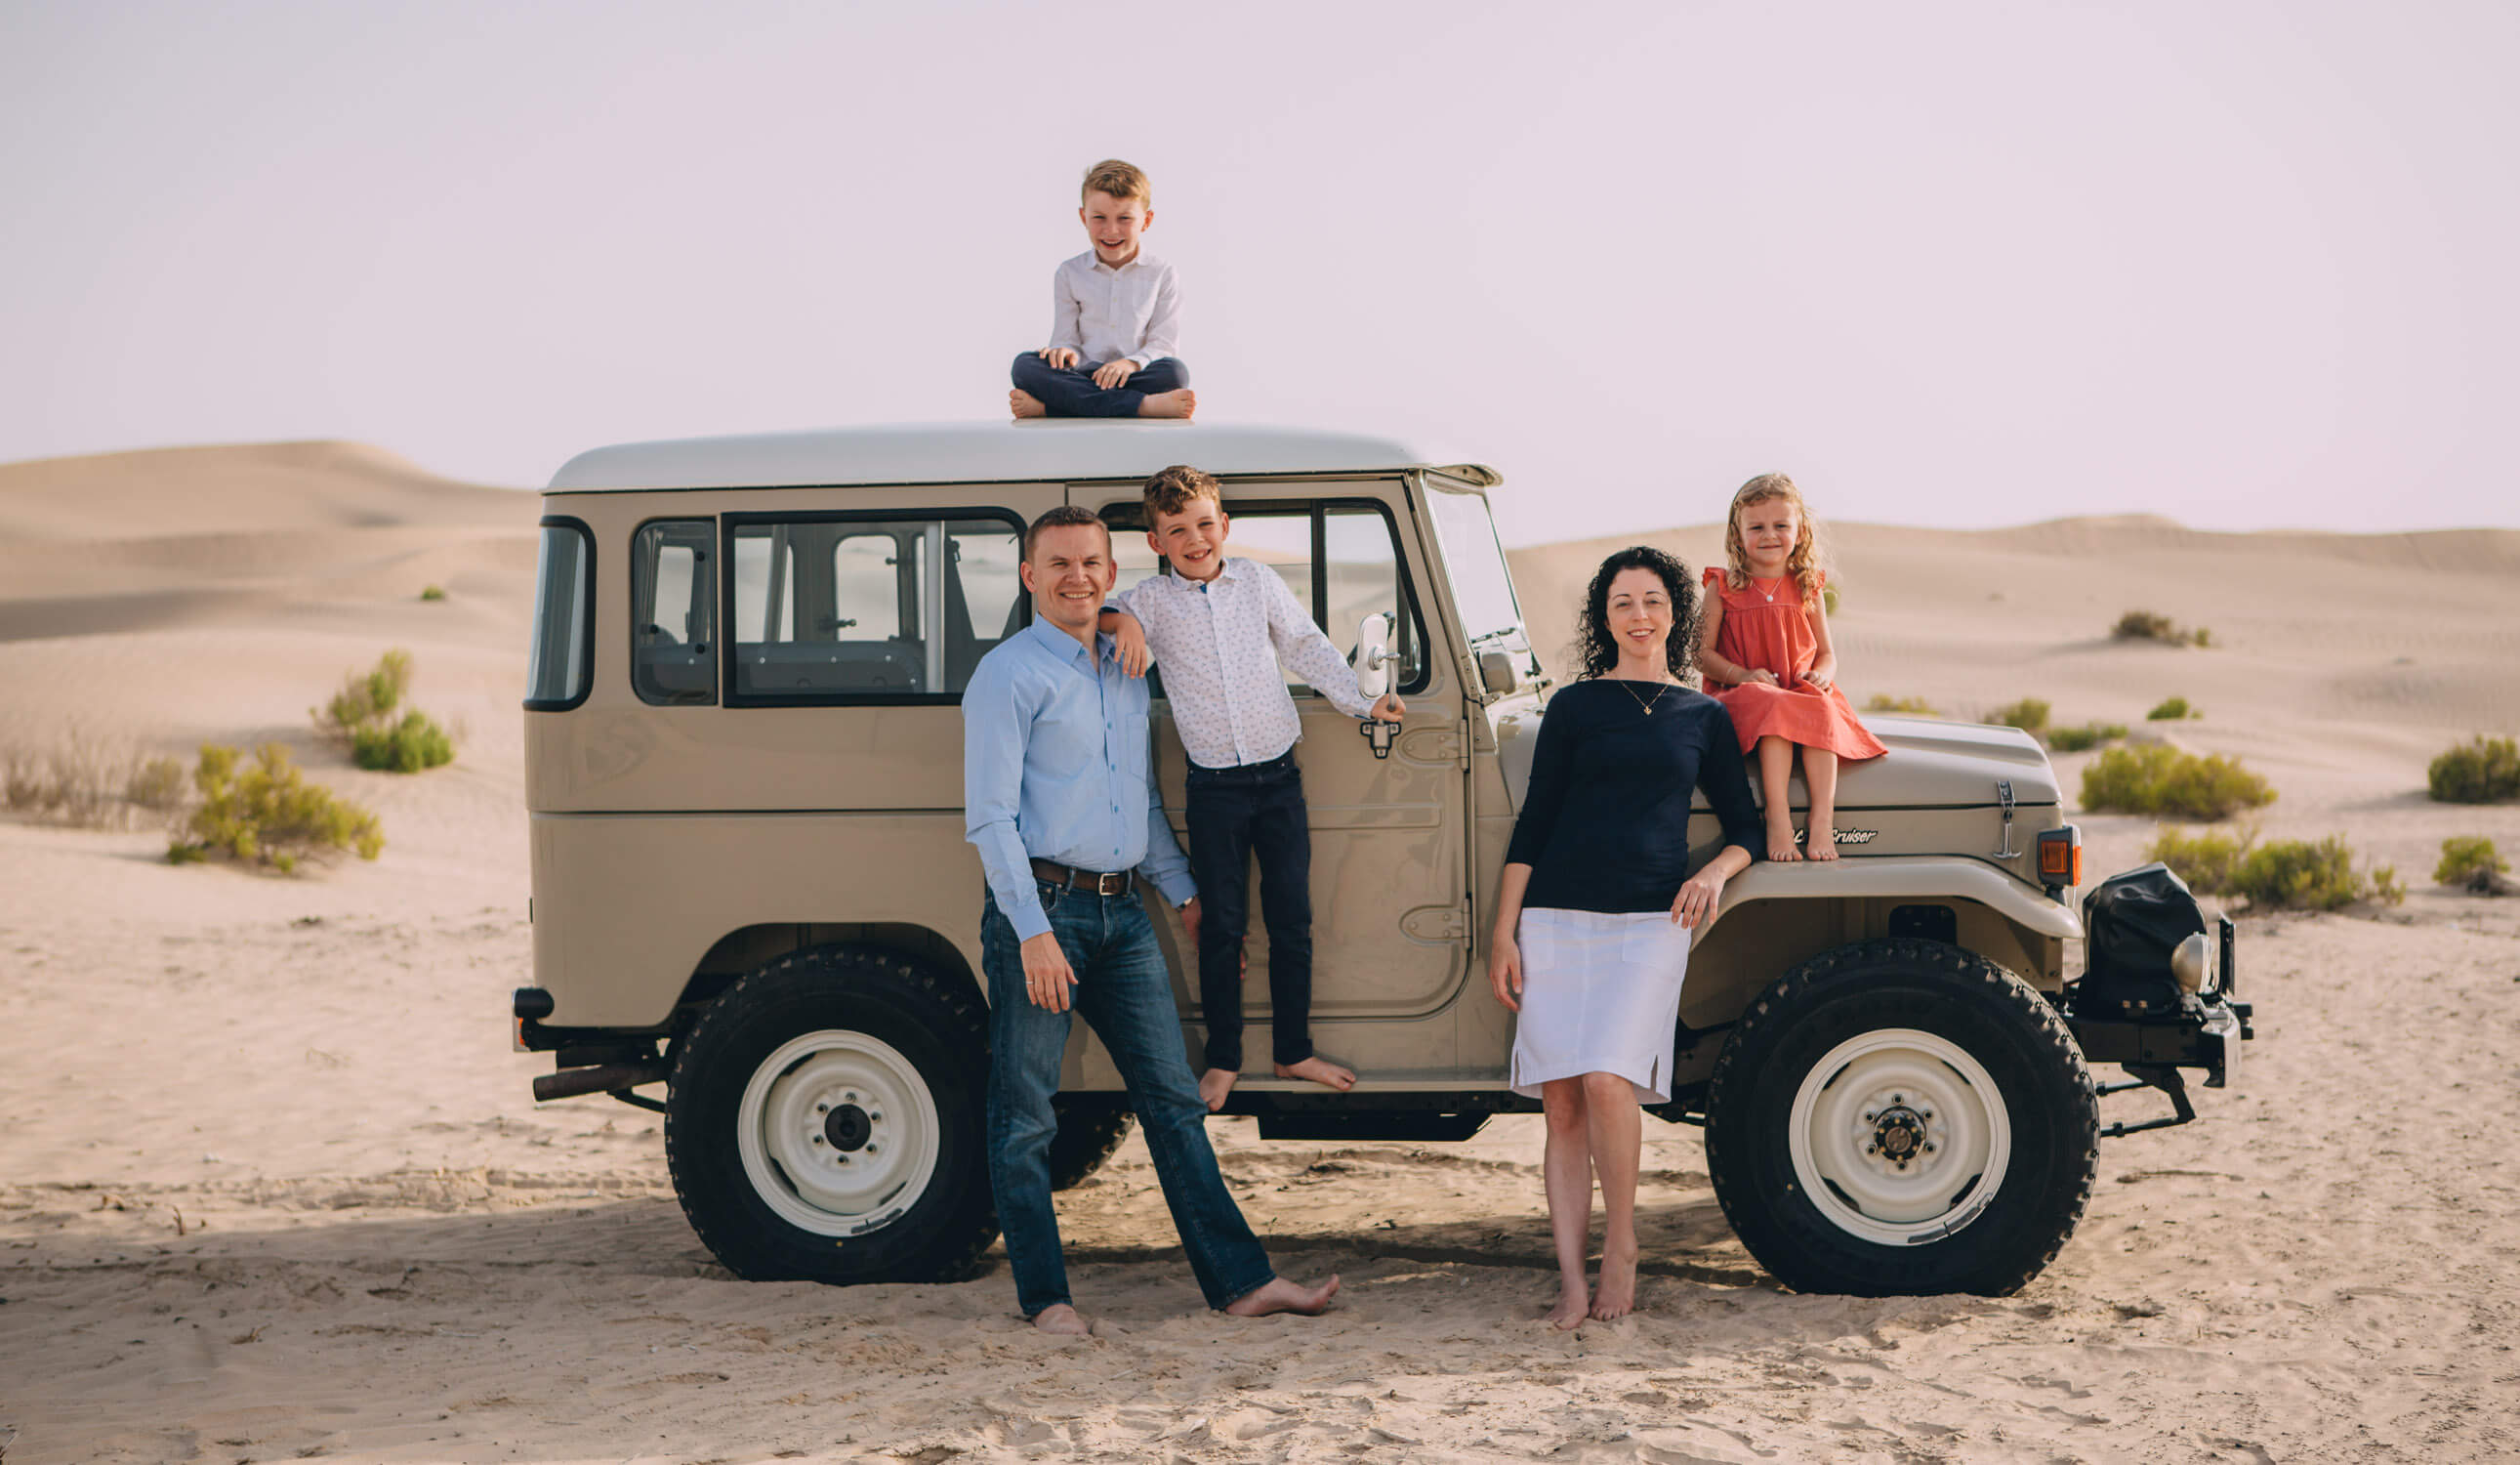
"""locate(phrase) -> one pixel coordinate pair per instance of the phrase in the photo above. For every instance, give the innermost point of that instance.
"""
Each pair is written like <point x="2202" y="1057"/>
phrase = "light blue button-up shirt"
<point x="1057" y="764"/>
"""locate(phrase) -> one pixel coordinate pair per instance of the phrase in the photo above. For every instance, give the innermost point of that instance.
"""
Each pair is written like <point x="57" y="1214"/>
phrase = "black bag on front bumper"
<point x="2134" y="923"/>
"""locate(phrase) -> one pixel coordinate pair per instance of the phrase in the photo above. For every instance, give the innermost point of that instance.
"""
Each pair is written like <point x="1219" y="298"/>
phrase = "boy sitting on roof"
<point x="1115" y="311"/>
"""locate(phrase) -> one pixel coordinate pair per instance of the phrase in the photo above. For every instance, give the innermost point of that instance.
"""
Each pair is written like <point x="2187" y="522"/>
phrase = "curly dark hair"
<point x="1598" y="651"/>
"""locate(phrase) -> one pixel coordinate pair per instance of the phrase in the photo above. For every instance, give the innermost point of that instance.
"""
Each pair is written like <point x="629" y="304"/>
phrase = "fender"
<point x="1936" y="877"/>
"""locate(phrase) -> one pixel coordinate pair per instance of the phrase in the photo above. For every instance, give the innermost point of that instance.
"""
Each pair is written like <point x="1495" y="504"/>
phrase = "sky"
<point x="2243" y="264"/>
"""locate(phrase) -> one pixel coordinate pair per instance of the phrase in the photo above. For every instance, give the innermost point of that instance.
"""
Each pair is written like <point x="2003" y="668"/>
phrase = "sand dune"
<point x="272" y="1186"/>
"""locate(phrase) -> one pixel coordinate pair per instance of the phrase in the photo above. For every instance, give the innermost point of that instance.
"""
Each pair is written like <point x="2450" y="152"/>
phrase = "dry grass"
<point x="87" y="782"/>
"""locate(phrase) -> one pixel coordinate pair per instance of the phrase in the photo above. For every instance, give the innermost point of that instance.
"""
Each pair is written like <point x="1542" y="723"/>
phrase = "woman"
<point x="1598" y="903"/>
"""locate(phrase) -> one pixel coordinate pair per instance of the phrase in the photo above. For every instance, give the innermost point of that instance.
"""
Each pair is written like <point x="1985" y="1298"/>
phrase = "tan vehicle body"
<point x="676" y="846"/>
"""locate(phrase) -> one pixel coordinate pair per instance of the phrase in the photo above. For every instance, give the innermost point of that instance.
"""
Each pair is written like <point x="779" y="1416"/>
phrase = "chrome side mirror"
<point x="1373" y="656"/>
<point x="1500" y="672"/>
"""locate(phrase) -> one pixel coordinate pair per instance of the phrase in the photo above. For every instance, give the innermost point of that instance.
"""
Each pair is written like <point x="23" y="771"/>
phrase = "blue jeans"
<point x="1238" y="813"/>
<point x="1121" y="991"/>
<point x="1069" y="390"/>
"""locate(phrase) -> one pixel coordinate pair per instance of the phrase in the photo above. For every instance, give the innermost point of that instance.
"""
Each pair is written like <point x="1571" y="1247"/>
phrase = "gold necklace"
<point x="1644" y="704"/>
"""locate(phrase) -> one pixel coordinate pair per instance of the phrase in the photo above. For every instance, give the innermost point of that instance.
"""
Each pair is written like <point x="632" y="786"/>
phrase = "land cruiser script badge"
<point x="1844" y="836"/>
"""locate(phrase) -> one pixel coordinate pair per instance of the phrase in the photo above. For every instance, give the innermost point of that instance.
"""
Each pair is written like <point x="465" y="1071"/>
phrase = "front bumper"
<point x="2205" y="1033"/>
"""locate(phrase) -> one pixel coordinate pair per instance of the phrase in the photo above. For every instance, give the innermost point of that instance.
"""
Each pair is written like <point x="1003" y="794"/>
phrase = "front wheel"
<point x="1902" y="1117"/>
<point x="825" y="1122"/>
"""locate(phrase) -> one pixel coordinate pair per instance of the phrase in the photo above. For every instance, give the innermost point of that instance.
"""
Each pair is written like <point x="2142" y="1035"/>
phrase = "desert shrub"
<point x="2159" y="779"/>
<point x="433" y="592"/>
<point x="406" y="747"/>
<point x="268" y="813"/>
<point x="2206" y="862"/>
<point x="2084" y="737"/>
<point x="2171" y="709"/>
<point x="1828" y="599"/>
<point x="2480" y="771"/>
<point x="2144" y="625"/>
<point x="2029" y="714"/>
<point x="2310" y="875"/>
<point x="1882" y="702"/>
<point x="2462" y="856"/>
<point x="365" y="697"/>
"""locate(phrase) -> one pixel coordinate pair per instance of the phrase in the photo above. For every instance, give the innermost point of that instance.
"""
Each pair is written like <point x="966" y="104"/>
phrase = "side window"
<point x="841" y="610"/>
<point x="673" y="606"/>
<point x="1363" y="579"/>
<point x="1339" y="557"/>
<point x="559" y="668"/>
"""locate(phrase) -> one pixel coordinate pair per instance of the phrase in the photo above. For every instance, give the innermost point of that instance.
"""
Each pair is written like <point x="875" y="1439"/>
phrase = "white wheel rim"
<point x="838" y="1132"/>
<point x="1898" y="1136"/>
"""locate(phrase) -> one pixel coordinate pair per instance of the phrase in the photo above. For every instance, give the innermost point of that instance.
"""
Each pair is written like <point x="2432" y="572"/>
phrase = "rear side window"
<point x="561" y="662"/>
<point x="673" y="604"/>
<point x="841" y="609"/>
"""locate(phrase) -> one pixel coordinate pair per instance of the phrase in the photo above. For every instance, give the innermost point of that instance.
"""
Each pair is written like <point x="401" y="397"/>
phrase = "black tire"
<point x="1090" y="1127"/>
<point x="2029" y="1119"/>
<point x="894" y="1159"/>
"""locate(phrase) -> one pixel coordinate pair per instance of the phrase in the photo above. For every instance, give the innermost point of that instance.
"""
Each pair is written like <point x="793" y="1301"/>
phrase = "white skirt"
<point x="1600" y="994"/>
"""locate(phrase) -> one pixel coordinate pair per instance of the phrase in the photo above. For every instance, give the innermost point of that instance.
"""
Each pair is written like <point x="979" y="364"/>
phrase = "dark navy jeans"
<point x="1237" y="814"/>
<point x="1069" y="390"/>
<point x="1123" y="992"/>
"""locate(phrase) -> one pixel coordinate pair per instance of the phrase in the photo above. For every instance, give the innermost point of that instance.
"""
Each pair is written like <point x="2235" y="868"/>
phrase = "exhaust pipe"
<point x="607" y="1078"/>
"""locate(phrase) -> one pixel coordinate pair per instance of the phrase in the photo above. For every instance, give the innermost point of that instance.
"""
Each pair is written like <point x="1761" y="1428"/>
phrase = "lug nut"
<point x="821" y="1106"/>
<point x="818" y="1139"/>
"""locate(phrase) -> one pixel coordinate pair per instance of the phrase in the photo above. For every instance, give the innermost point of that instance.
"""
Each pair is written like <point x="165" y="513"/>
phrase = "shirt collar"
<point x="1233" y="571"/>
<point x="1094" y="260"/>
<point x="1062" y="645"/>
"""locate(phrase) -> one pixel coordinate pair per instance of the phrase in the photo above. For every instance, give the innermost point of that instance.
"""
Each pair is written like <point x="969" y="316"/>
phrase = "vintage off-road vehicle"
<point x="743" y="767"/>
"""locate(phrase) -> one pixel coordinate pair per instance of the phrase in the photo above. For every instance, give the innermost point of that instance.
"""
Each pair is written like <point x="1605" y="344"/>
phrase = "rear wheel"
<point x="1902" y="1117"/>
<point x="1091" y="1126"/>
<point x="825" y="1121"/>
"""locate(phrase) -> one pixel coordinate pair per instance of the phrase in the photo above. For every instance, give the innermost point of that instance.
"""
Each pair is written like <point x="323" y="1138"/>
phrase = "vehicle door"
<point x="1388" y="833"/>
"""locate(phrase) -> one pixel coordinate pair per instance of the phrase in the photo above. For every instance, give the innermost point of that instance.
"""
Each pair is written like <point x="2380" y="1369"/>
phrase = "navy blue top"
<point x="1605" y="825"/>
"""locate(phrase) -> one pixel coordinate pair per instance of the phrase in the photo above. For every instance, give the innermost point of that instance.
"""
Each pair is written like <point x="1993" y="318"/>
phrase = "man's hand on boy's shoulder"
<point x="1111" y="374"/>
<point x="1060" y="356"/>
<point x="1388" y="707"/>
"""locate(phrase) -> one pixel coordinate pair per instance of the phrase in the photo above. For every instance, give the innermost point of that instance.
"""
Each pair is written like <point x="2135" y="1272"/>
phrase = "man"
<point x="1058" y="794"/>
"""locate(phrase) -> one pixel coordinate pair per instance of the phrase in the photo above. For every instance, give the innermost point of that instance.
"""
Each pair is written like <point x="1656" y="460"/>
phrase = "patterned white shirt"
<point x="1221" y="645"/>
<point x="1103" y="314"/>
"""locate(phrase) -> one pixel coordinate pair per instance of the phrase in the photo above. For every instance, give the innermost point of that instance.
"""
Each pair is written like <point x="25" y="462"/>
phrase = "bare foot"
<point x="1214" y="1086"/>
<point x="1180" y="402"/>
<point x="1824" y="840"/>
<point x="1571" y="1311"/>
<point x="1278" y="1295"/>
<point x="1062" y="1321"/>
<point x="1780" y="840"/>
<point x="1026" y="404"/>
<point x="1320" y="1071"/>
<point x="1616" y="1296"/>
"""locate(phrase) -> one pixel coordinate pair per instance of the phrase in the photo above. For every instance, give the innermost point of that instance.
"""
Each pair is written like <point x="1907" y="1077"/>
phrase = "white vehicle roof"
<point x="1039" y="450"/>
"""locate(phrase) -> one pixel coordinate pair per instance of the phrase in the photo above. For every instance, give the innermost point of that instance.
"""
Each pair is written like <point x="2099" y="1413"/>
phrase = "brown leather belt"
<point x="1067" y="877"/>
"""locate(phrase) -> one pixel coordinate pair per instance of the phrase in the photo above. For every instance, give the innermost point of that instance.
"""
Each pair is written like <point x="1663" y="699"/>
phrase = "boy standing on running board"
<point x="1221" y="628"/>
<point x="1114" y="316"/>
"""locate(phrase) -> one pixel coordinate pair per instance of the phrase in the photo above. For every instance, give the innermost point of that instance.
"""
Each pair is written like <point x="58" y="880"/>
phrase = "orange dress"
<point x="1766" y="630"/>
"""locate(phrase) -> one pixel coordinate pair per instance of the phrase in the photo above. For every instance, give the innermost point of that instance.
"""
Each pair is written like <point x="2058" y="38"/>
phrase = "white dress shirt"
<point x="1221" y="644"/>
<point x="1104" y="314"/>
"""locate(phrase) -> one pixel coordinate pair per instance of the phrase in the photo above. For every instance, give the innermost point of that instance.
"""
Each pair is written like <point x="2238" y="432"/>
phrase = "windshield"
<point x="1481" y="584"/>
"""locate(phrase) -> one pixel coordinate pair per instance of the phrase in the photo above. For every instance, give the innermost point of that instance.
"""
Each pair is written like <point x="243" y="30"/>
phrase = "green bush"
<point x="2029" y="714"/>
<point x="2144" y="625"/>
<point x="433" y="592"/>
<point x="2462" y="856"/>
<point x="2171" y="710"/>
<point x="1828" y="599"/>
<point x="157" y="784"/>
<point x="1882" y="702"/>
<point x="2159" y="779"/>
<point x="366" y="698"/>
<point x="2206" y="862"/>
<point x="268" y="813"/>
<point x="406" y="747"/>
<point x="2303" y="875"/>
<point x="2083" y="739"/>
<point x="2480" y="771"/>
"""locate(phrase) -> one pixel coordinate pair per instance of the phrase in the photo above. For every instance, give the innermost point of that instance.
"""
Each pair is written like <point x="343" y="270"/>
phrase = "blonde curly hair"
<point x="1803" y="562"/>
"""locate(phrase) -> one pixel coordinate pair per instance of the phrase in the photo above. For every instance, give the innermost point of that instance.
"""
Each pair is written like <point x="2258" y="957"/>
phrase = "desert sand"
<point x="272" y="1185"/>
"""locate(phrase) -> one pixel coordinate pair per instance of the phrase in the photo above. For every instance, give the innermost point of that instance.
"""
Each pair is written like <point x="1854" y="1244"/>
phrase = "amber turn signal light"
<point x="2061" y="856"/>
